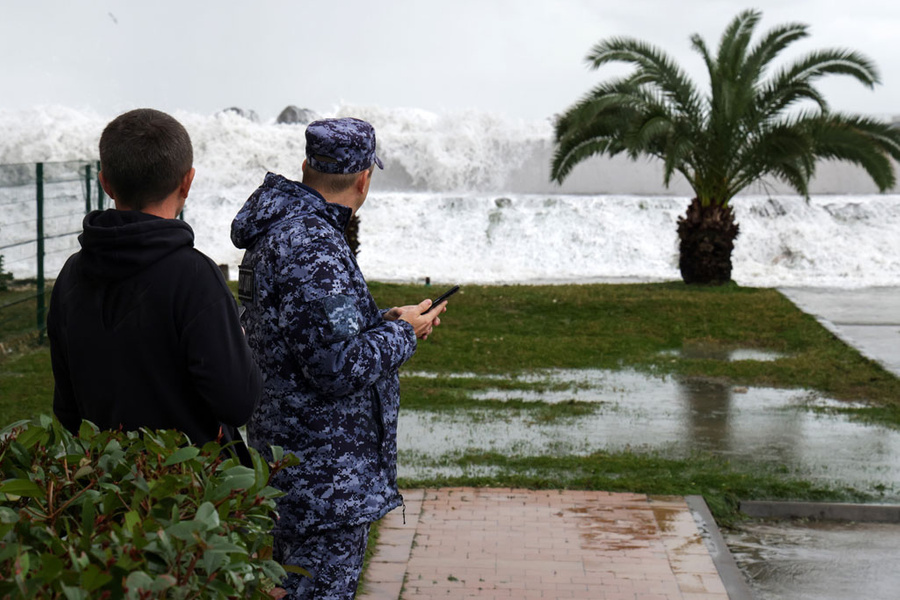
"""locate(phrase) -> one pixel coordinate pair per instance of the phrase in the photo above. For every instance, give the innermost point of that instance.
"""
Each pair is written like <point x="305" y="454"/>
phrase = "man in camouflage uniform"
<point x="330" y="358"/>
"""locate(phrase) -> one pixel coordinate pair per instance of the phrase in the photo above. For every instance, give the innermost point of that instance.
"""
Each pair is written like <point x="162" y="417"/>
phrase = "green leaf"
<point x="51" y="566"/>
<point x="88" y="513"/>
<point x="74" y="593"/>
<point x="208" y="515"/>
<point x="93" y="578"/>
<point x="167" y="486"/>
<point x="8" y="515"/>
<point x="22" y="487"/>
<point x="87" y="431"/>
<point x="213" y="561"/>
<point x="136" y="582"/>
<point x="225" y="590"/>
<point x="31" y="436"/>
<point x="220" y="544"/>
<point x="163" y="582"/>
<point x="23" y="563"/>
<point x="132" y="518"/>
<point x="297" y="570"/>
<point x="185" y="530"/>
<point x="277" y="453"/>
<point x="83" y="472"/>
<point x="4" y="433"/>
<point x="181" y="455"/>
<point x="240" y="476"/>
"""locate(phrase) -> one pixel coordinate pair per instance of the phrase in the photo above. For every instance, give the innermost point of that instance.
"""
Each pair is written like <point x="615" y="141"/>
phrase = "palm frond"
<point x="769" y="47"/>
<point x="865" y="142"/>
<point x="746" y="128"/>
<point x="817" y="64"/>
<point x="655" y="67"/>
<point x="775" y="97"/>
<point x="734" y="43"/>
<point x="699" y="44"/>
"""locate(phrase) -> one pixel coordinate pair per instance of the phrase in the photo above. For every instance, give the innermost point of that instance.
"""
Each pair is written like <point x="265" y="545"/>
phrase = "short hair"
<point x="333" y="183"/>
<point x="144" y="156"/>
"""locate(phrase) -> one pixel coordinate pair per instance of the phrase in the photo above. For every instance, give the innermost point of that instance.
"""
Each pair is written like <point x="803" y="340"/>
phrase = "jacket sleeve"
<point x="219" y="360"/>
<point x="332" y="326"/>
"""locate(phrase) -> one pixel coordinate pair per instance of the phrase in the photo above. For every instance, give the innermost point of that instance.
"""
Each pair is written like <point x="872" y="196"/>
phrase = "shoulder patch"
<point x="342" y="315"/>
<point x="246" y="284"/>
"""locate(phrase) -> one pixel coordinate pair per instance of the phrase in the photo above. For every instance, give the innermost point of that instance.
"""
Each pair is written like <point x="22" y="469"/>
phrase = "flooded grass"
<point x="706" y="351"/>
<point x="502" y="430"/>
<point x="520" y="380"/>
<point x="503" y="330"/>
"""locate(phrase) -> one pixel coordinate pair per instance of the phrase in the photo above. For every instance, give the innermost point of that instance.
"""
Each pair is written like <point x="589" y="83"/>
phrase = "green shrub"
<point x="131" y="515"/>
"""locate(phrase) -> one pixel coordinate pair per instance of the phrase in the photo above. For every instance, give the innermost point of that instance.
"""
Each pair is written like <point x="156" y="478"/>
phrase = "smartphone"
<point x="443" y="297"/>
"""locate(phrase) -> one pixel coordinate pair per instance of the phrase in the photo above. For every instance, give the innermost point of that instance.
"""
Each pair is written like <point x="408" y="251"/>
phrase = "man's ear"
<point x="362" y="181"/>
<point x="186" y="182"/>
<point x="105" y="185"/>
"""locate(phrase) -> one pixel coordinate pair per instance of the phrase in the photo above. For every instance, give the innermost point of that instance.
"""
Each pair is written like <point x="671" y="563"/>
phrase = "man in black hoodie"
<point x="144" y="332"/>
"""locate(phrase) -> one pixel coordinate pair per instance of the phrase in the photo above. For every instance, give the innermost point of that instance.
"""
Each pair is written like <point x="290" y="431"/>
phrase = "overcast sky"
<point x="520" y="58"/>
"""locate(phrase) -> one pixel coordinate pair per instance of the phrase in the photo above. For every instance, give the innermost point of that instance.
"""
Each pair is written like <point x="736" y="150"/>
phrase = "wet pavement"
<point x="867" y="319"/>
<point x="818" y="560"/>
<point x="518" y="544"/>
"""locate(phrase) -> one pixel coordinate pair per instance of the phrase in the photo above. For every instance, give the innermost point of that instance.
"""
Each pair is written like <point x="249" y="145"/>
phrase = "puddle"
<point x="725" y="354"/>
<point x="678" y="417"/>
<point x="818" y="560"/>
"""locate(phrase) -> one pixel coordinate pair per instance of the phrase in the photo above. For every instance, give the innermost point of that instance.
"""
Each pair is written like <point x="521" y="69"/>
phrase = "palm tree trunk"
<point x="706" y="235"/>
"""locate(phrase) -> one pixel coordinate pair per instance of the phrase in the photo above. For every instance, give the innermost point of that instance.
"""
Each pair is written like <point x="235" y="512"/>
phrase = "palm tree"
<point x="756" y="121"/>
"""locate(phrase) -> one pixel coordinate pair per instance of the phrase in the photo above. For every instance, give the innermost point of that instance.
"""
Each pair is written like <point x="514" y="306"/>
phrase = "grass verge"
<point x="497" y="332"/>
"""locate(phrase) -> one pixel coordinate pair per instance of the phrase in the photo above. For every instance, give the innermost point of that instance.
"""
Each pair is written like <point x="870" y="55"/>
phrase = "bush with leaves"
<point x="133" y="515"/>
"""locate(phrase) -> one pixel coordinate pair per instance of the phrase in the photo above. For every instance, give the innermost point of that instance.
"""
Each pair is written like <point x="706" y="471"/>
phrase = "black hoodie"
<point x="145" y="333"/>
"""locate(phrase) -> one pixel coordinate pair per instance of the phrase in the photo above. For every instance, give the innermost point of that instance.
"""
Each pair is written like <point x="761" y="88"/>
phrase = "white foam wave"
<point x="466" y="197"/>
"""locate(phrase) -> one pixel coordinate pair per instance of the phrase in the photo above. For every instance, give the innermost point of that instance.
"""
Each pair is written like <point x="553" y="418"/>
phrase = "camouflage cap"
<point x="341" y="146"/>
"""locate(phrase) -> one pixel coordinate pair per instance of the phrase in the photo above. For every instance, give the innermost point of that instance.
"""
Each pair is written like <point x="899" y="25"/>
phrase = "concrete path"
<point x="521" y="544"/>
<point x="867" y="319"/>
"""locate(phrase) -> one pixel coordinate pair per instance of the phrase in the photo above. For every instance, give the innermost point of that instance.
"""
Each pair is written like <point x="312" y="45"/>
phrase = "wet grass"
<point x="26" y="384"/>
<point x="503" y="331"/>
<point x="722" y="483"/>
<point x="511" y="330"/>
<point x="446" y="394"/>
<point x="515" y="329"/>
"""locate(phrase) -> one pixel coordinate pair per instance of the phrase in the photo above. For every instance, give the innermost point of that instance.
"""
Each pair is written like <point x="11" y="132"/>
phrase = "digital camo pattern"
<point x="333" y="557"/>
<point x="348" y="144"/>
<point x="329" y="359"/>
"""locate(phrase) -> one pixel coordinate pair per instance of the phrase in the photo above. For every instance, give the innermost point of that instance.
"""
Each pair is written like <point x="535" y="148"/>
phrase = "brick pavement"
<point x="523" y="544"/>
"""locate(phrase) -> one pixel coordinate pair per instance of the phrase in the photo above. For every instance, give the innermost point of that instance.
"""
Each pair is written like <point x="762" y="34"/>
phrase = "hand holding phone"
<point x="443" y="297"/>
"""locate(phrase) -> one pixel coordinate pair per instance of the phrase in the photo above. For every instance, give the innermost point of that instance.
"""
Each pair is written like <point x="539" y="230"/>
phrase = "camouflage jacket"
<point x="329" y="359"/>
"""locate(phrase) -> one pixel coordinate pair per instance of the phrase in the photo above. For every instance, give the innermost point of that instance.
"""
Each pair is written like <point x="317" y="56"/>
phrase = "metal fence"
<point x="41" y="211"/>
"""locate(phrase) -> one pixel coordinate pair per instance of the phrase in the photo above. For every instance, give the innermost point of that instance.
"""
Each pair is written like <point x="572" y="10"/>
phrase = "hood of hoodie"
<point x="277" y="199"/>
<point x="116" y="244"/>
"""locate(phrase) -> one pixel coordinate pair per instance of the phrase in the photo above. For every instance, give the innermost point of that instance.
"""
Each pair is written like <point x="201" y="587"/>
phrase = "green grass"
<point x="26" y="385"/>
<point x="513" y="329"/>
<point x="18" y="315"/>
<point x="494" y="333"/>
<point x="722" y="483"/>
